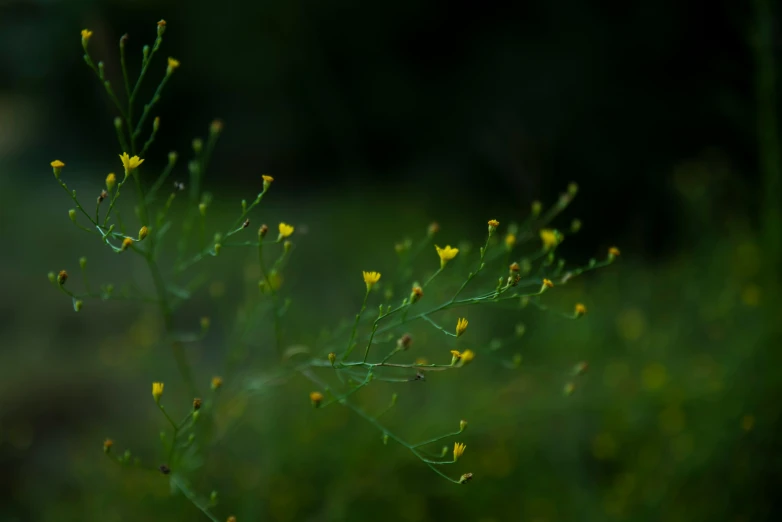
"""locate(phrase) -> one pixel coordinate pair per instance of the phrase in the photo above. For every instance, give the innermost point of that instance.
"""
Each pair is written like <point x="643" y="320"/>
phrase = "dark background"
<point x="376" y="119"/>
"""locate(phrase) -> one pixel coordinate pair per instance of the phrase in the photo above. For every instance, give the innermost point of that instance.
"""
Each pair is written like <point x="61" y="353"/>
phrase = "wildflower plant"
<point x="515" y="266"/>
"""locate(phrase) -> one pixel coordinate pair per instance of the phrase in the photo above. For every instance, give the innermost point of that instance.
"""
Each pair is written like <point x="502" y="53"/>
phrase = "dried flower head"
<point x="461" y="326"/>
<point x="614" y="252"/>
<point x="446" y="254"/>
<point x="434" y="228"/>
<point x="493" y="224"/>
<point x="62" y="277"/>
<point x="263" y="230"/>
<point x="404" y="342"/>
<point x="464" y="479"/>
<point x="514" y="267"/>
<point x="130" y="163"/>
<point x="126" y="243"/>
<point x="197" y="404"/>
<point x="416" y="294"/>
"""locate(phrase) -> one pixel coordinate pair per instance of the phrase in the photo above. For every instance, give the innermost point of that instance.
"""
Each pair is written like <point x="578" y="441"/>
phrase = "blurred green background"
<point x="376" y="120"/>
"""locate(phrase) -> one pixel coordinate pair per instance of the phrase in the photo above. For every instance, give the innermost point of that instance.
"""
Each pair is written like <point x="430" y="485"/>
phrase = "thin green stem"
<point x="351" y="346"/>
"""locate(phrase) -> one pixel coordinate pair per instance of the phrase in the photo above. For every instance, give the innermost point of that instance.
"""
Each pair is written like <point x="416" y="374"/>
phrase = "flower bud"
<point x="416" y="294"/>
<point x="434" y="228"/>
<point x="537" y="207"/>
<point x="267" y="182"/>
<point x="197" y="404"/>
<point x="465" y="478"/>
<point x="172" y="156"/>
<point x="216" y="127"/>
<point x="202" y="209"/>
<point x="126" y="243"/>
<point x="77" y="305"/>
<point x="218" y="248"/>
<point x="62" y="277"/>
<point x="263" y="231"/>
<point x="107" y="444"/>
<point x="316" y="398"/>
<point x="52" y="277"/>
<point x="580" y="310"/>
<point x="332" y="358"/>
<point x="462" y="425"/>
<point x="111" y="181"/>
<point x="156" y="124"/>
<point x="404" y="342"/>
<point x="157" y="391"/>
<point x="57" y="166"/>
<point x="143" y="233"/>
<point x="72" y="214"/>
<point x="83" y="262"/>
<point x="198" y="145"/>
<point x="161" y="27"/>
<point x="217" y="382"/>
<point x="287" y="246"/>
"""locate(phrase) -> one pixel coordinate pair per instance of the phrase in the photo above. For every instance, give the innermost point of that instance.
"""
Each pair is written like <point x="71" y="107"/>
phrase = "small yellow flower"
<point x="510" y="240"/>
<point x="446" y="254"/>
<point x="111" y="181"/>
<point x="267" y="178"/>
<point x="86" y="34"/>
<point x="172" y="64"/>
<point x="549" y="237"/>
<point x="231" y="519"/>
<point x="107" y="444"/>
<point x="455" y="356"/>
<point x="130" y="163"/>
<point x="316" y="398"/>
<point x="580" y="310"/>
<point x="493" y="224"/>
<point x="157" y="390"/>
<point x="547" y="283"/>
<point x="161" y="23"/>
<point x="370" y="278"/>
<point x="613" y="252"/>
<point x="461" y="326"/>
<point x="126" y="243"/>
<point x="458" y="450"/>
<point x="416" y="294"/>
<point x="467" y="356"/>
<point x="217" y="382"/>
<point x="285" y="231"/>
<point x="57" y="164"/>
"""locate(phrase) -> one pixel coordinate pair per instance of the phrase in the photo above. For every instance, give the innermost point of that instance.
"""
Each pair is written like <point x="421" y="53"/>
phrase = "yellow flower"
<point x="142" y="233"/>
<point x="231" y="519"/>
<point x="86" y="34"/>
<point x="547" y="283"/>
<point x="510" y="240"/>
<point x="157" y="390"/>
<point x="458" y="450"/>
<point x="267" y="178"/>
<point x="126" y="243"/>
<point x="416" y="294"/>
<point x="370" y="278"/>
<point x="493" y="224"/>
<point x="446" y="254"/>
<point x="580" y="310"/>
<point x="455" y="356"/>
<point x="461" y="326"/>
<point x="130" y="163"/>
<point x="217" y="382"/>
<point x="467" y="356"/>
<point x="316" y="398"/>
<point x="111" y="180"/>
<point x="613" y="252"/>
<point x="172" y="64"/>
<point x="549" y="237"/>
<point x="57" y="164"/>
<point x="285" y="231"/>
